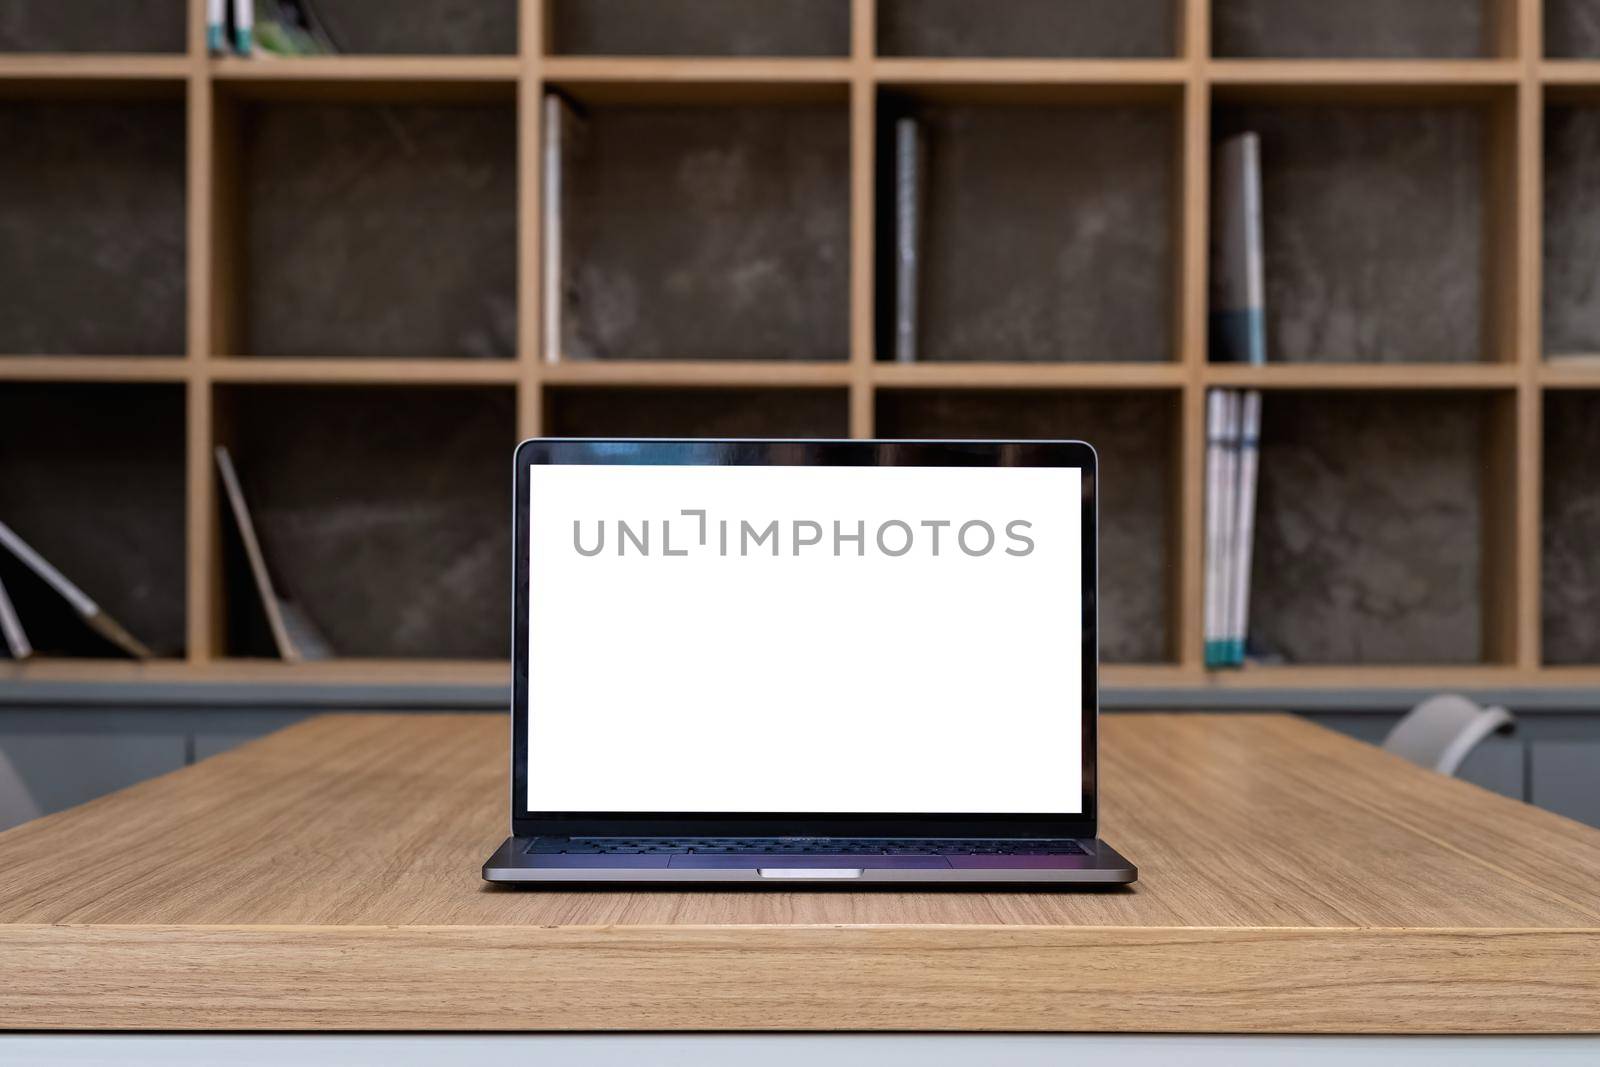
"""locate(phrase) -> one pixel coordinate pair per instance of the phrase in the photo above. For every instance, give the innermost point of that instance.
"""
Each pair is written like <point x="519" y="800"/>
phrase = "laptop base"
<point x="1099" y="865"/>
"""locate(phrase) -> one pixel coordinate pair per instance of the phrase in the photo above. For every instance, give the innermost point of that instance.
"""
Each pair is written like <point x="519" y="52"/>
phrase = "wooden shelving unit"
<point x="1495" y="392"/>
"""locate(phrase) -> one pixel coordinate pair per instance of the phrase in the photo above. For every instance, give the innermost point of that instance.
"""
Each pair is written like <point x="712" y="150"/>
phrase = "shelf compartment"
<point x="132" y="26"/>
<point x="1137" y="437"/>
<point x="92" y="477"/>
<point x="1571" y="308"/>
<point x="1048" y="228"/>
<point x="1383" y="528"/>
<point x="626" y="411"/>
<point x="93" y="211"/>
<point x="1109" y="29"/>
<point x="368" y="230"/>
<point x="381" y="513"/>
<point x="1571" y="29"/>
<point x="421" y="27"/>
<point x="698" y="27"/>
<point x="1387" y="228"/>
<point x="705" y="232"/>
<point x="1359" y="29"/>
<point x="1570" y="526"/>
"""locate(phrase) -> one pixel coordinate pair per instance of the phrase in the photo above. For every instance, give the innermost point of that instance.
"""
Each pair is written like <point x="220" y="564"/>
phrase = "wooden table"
<point x="327" y="878"/>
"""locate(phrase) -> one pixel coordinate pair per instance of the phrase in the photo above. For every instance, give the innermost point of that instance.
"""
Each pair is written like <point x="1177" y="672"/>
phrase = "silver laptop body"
<point x="805" y="663"/>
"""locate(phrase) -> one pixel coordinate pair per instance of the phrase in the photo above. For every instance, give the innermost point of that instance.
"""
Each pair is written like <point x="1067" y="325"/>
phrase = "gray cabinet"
<point x="1565" y="777"/>
<point x="1499" y="764"/>
<point x="53" y="759"/>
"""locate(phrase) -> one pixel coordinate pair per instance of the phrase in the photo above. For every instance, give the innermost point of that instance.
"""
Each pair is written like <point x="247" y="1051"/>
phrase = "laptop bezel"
<point x="782" y="452"/>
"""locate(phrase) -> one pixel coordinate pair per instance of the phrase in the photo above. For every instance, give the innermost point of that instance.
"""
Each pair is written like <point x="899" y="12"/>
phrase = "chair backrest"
<point x="1440" y="732"/>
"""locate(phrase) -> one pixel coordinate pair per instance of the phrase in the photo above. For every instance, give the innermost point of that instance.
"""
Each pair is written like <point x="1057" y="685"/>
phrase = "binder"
<point x="907" y="205"/>
<point x="252" y="550"/>
<point x="1221" y="456"/>
<point x="1237" y="325"/>
<point x="216" y="27"/>
<point x="244" y="21"/>
<point x="558" y="120"/>
<point x="293" y="633"/>
<point x="16" y="638"/>
<point x="81" y="603"/>
<point x="1244" y="524"/>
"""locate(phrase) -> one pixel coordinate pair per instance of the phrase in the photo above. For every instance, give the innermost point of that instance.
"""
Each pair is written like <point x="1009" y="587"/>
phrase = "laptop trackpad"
<point x="770" y="862"/>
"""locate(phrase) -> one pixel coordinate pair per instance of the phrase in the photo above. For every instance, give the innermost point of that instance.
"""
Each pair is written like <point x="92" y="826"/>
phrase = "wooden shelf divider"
<point x="50" y="68"/>
<point x="1292" y="73"/>
<point x="368" y="68"/>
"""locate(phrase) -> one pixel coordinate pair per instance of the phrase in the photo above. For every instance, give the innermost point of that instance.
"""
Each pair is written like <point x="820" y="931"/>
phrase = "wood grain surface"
<point x="1291" y="880"/>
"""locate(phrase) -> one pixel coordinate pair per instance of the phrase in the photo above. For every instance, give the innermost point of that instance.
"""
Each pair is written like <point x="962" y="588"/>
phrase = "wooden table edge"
<point x="801" y="977"/>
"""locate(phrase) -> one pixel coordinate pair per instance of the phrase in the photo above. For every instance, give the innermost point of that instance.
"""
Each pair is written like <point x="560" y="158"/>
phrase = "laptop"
<point x="798" y="663"/>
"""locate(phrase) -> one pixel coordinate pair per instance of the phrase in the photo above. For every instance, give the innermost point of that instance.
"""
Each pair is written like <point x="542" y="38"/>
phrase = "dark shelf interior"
<point x="1571" y="229"/>
<point x="707" y="232"/>
<point x="1047" y="231"/>
<point x="1136" y="435"/>
<point x="1112" y="29"/>
<point x="92" y="211"/>
<point x="94" y="25"/>
<point x="378" y="229"/>
<point x="1570" y="526"/>
<point x="1351" y="29"/>
<point x="1572" y="29"/>
<point x="1374" y="230"/>
<point x="92" y="477"/>
<point x="381" y="512"/>
<point x="1370" y="543"/>
<point x="421" y="27"/>
<point x="590" y="411"/>
<point x="699" y="27"/>
<point x="373" y="27"/>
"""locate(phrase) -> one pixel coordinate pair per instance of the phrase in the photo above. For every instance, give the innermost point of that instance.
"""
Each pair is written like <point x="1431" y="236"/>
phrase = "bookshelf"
<point x="315" y="260"/>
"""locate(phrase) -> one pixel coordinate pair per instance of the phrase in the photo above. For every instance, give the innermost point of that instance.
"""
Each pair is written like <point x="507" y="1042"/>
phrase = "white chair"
<point x="1442" y="731"/>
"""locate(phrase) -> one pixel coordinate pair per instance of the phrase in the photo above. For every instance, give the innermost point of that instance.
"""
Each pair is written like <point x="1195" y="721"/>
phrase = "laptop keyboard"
<point x="788" y="846"/>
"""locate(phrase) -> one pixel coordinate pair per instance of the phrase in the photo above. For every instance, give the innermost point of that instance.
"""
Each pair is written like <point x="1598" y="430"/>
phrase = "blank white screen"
<point x="807" y="681"/>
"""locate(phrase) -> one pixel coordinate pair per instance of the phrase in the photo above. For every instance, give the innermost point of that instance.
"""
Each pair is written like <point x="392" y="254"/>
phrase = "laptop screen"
<point x="872" y="639"/>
